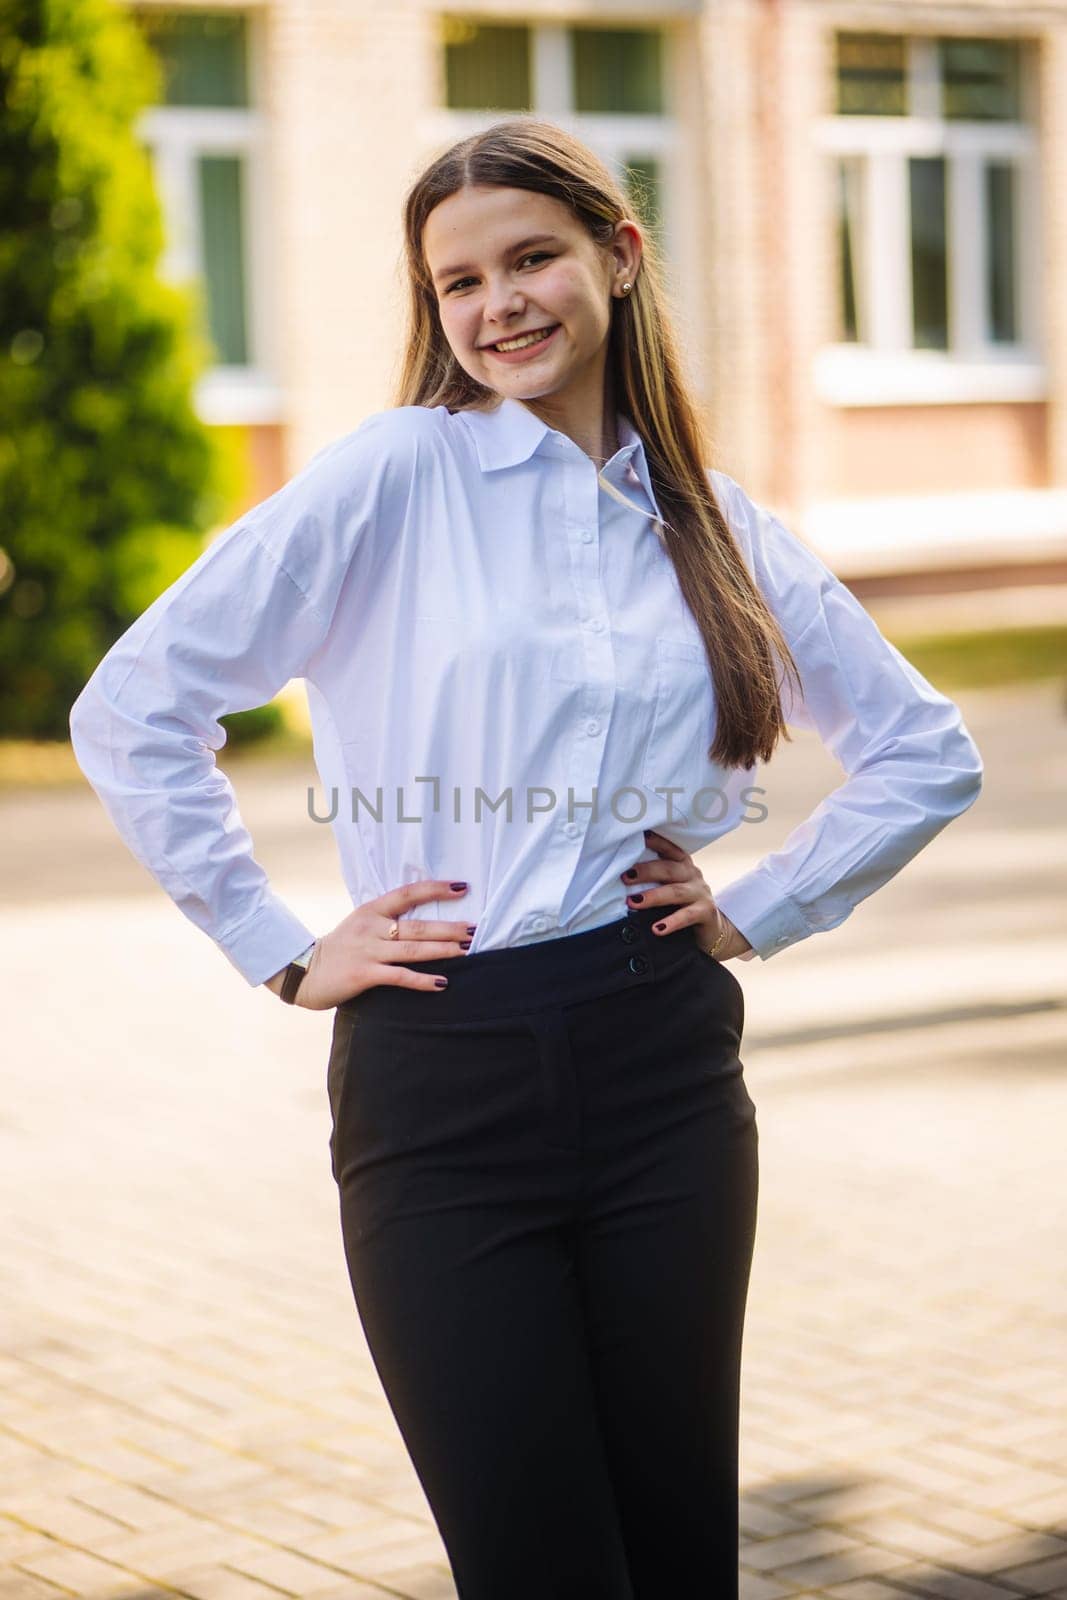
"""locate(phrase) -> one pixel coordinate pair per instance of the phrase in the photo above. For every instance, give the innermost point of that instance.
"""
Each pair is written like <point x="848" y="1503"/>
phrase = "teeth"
<point x="520" y="344"/>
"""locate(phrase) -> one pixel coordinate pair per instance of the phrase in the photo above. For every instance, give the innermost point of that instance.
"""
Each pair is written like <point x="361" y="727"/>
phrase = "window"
<point x="606" y="83"/>
<point x="205" y="140"/>
<point x="487" y="66"/>
<point x="871" y="74"/>
<point x="204" y="56"/>
<point x="617" y="70"/>
<point x="981" y="80"/>
<point x="851" y="230"/>
<point x="929" y="253"/>
<point x="1001" y="210"/>
<point x="220" y="195"/>
<point x="932" y="166"/>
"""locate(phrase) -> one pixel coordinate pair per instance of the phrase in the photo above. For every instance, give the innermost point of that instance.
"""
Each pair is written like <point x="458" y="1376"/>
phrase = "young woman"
<point x="545" y="647"/>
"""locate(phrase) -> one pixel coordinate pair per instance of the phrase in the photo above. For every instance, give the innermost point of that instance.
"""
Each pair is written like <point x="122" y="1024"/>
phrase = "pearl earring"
<point x="626" y="288"/>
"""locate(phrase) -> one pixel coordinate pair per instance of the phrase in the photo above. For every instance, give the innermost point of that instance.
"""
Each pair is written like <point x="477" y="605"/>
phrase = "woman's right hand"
<point x="359" y="953"/>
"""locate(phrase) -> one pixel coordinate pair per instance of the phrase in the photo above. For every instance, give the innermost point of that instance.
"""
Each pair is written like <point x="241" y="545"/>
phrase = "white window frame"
<point x="177" y="136"/>
<point x="618" y="138"/>
<point x="886" y="369"/>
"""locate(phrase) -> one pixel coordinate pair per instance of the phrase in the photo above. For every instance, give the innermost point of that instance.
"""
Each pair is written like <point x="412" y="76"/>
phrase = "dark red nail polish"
<point x="441" y="983"/>
<point x="659" y="926"/>
<point x="464" y="944"/>
<point x="472" y="930"/>
<point x="458" y="886"/>
<point x="631" y="874"/>
<point x="637" y="898"/>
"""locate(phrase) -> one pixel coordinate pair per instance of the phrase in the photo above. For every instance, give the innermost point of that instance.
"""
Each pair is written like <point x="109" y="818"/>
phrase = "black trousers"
<point x="548" y="1179"/>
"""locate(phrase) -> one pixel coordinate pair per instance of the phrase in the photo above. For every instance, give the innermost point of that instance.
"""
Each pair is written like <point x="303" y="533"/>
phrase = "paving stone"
<point x="62" y="1518"/>
<point x="219" y="1583"/>
<point x="771" y="1555"/>
<point x="836" y="1566"/>
<point x="285" y="1570"/>
<point x="186" y="1398"/>
<point x="424" y="1581"/>
<point x="757" y="1586"/>
<point x="978" y="1526"/>
<point x="375" y="1562"/>
<point x="941" y="1583"/>
<point x="1039" y="1577"/>
<point x="22" y="1586"/>
<point x="864" y="1589"/>
<point x="80" y="1573"/>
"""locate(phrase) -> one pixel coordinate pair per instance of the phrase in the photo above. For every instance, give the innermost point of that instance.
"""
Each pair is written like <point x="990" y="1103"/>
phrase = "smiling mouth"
<point x="529" y="339"/>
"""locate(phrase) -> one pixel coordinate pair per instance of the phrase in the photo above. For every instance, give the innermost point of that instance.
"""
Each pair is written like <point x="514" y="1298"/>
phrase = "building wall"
<point x="350" y="82"/>
<point x="352" y="96"/>
<point x="885" y="450"/>
<point x="776" y="272"/>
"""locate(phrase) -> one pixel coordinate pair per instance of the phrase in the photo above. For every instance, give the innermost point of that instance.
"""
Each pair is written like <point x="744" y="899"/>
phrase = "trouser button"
<point x="638" y="964"/>
<point x="630" y="934"/>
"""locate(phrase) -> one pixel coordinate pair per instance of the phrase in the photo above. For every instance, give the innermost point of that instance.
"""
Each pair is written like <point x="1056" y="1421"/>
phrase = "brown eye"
<point x="536" y="255"/>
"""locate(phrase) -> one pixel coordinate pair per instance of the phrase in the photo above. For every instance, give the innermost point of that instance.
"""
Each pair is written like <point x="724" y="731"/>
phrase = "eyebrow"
<point x="534" y="238"/>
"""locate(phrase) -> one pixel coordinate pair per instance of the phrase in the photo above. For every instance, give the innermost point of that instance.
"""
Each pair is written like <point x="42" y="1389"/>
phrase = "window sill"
<point x="913" y="533"/>
<point x="234" y="395"/>
<point x="848" y="376"/>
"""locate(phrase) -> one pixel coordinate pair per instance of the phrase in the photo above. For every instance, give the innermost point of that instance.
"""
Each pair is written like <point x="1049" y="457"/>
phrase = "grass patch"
<point x="988" y="657"/>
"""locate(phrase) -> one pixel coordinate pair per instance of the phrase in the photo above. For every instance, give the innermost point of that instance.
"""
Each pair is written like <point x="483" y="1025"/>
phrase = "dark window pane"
<point x="981" y="79"/>
<point x="871" y="75"/>
<point x="487" y="66"/>
<point x="643" y="188"/>
<point x="850" y="175"/>
<point x="929" y="258"/>
<point x="222" y="231"/>
<point x="1001" y="223"/>
<point x="617" y="69"/>
<point x="204" y="56"/>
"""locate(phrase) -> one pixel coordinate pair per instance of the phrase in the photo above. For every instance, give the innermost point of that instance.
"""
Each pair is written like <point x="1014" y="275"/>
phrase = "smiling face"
<point x="506" y="262"/>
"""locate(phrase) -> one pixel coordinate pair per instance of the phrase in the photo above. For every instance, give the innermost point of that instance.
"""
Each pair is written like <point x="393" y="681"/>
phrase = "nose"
<point x="503" y="304"/>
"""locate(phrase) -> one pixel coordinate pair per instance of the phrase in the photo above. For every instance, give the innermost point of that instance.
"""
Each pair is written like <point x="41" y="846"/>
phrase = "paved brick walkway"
<point x="186" y="1403"/>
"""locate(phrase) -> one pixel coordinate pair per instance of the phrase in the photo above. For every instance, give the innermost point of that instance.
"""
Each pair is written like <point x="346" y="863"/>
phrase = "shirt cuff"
<point x="267" y="942"/>
<point x="758" y="907"/>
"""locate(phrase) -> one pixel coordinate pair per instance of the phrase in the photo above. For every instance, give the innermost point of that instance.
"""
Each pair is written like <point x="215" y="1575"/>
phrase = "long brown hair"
<point x="742" y="638"/>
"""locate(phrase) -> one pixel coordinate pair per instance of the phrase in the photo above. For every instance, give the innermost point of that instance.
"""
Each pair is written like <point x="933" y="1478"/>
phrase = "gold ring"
<point x="394" y="931"/>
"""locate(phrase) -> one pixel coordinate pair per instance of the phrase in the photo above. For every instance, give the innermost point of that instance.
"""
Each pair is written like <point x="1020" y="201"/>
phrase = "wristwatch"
<point x="295" y="973"/>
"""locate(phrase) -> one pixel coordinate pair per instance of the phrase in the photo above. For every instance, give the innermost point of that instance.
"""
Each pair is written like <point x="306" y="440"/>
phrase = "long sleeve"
<point x="911" y="765"/>
<point x="246" y="616"/>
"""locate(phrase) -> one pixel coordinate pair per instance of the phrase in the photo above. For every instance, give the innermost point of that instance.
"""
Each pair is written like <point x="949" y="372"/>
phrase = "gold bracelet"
<point x="724" y="934"/>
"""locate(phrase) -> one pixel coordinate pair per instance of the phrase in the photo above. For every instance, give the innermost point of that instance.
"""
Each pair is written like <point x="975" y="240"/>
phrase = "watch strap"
<point x="295" y="973"/>
<point x="294" y="977"/>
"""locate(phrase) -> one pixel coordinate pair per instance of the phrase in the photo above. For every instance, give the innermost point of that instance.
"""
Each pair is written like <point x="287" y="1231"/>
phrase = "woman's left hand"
<point x="685" y="887"/>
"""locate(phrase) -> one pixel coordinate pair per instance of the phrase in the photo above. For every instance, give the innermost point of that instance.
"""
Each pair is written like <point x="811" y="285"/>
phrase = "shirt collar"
<point x="512" y="433"/>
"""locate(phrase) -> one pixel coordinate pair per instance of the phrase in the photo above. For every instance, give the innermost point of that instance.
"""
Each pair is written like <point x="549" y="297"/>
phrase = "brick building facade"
<point x="863" y="205"/>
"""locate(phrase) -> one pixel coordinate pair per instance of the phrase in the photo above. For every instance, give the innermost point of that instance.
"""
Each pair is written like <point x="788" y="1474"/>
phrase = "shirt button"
<point x="540" y="924"/>
<point x="592" y="728"/>
<point x="782" y="939"/>
<point x="587" y="537"/>
<point x="596" y="626"/>
<point x="571" y="829"/>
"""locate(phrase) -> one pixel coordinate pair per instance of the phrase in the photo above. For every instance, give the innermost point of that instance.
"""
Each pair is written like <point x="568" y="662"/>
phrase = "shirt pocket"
<point x="676" y="754"/>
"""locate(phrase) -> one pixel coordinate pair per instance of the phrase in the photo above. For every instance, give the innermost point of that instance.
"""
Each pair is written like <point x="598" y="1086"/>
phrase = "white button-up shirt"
<point x="492" y="639"/>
